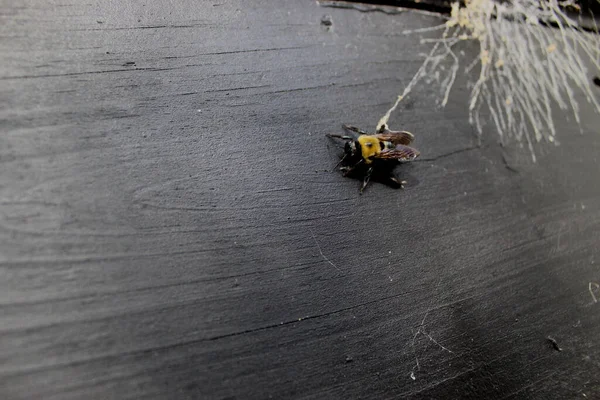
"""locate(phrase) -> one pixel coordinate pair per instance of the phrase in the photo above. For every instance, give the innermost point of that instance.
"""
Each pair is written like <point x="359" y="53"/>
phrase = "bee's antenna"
<point x="333" y="135"/>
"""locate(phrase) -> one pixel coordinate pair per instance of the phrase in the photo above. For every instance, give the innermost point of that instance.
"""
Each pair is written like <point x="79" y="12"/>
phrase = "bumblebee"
<point x="379" y="153"/>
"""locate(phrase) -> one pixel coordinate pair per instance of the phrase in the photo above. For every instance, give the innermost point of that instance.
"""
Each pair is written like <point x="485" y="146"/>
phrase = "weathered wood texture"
<point x="170" y="225"/>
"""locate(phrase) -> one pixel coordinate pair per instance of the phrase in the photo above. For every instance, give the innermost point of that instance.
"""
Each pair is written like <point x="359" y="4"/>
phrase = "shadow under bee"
<point x="392" y="173"/>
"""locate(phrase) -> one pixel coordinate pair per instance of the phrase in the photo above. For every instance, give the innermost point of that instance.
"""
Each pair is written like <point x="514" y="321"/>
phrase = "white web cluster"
<point x="533" y="57"/>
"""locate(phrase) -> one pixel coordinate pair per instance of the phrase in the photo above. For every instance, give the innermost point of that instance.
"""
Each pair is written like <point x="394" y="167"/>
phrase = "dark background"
<point x="171" y="226"/>
<point x="588" y="8"/>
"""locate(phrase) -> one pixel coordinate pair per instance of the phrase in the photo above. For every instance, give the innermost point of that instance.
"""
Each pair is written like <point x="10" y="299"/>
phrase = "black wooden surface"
<point x="170" y="226"/>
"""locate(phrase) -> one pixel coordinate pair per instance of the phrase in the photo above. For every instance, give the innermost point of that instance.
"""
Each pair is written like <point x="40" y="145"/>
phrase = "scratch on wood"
<point x="421" y="330"/>
<point x="450" y="153"/>
<point x="362" y="7"/>
<point x="183" y="343"/>
<point x="436" y="342"/>
<point x="127" y="28"/>
<point x="592" y="290"/>
<point x="140" y="69"/>
<point x="528" y="386"/>
<point x="554" y="343"/>
<point x="278" y="189"/>
<point x="368" y="8"/>
<point x="236" y="88"/>
<point x="507" y="164"/>
<point x="321" y="252"/>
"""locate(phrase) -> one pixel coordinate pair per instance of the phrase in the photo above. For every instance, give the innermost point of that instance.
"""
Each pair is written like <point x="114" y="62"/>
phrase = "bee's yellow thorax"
<point x="369" y="147"/>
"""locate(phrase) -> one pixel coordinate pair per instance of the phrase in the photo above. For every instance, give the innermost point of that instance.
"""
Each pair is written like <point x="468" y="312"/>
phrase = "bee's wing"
<point x="400" y="153"/>
<point x="396" y="137"/>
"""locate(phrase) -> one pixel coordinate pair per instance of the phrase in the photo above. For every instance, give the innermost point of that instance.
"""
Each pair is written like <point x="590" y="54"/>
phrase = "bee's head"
<point x="350" y="148"/>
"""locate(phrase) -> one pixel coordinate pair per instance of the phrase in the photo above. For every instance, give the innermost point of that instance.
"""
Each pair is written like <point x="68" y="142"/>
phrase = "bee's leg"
<point x="353" y="129"/>
<point x="348" y="170"/>
<point x="397" y="181"/>
<point x="366" y="179"/>
<point x="341" y="161"/>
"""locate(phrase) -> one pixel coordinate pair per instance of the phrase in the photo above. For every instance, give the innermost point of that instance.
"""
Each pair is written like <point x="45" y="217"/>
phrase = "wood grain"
<point x="170" y="226"/>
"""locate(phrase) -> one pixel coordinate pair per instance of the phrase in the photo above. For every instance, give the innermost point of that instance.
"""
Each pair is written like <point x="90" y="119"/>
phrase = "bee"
<point x="378" y="152"/>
